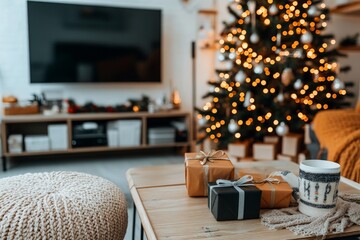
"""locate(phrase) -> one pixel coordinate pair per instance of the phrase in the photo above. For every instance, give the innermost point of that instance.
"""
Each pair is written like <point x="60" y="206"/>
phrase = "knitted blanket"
<point x="339" y="132"/>
<point x="346" y="214"/>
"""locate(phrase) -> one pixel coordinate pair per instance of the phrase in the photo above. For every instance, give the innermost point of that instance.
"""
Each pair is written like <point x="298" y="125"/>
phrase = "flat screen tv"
<point x="71" y="43"/>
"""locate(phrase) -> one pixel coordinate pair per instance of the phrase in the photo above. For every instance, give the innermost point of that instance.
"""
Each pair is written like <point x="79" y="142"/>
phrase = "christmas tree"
<point x="280" y="70"/>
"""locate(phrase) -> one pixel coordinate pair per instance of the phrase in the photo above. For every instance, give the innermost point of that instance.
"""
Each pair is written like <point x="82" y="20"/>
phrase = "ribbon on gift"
<point x="208" y="157"/>
<point x="242" y="182"/>
<point x="270" y="180"/>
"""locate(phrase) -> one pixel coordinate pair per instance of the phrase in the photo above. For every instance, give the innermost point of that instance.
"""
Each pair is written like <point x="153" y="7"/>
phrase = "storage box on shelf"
<point x="128" y="131"/>
<point x="37" y="143"/>
<point x="58" y="135"/>
<point x="122" y="131"/>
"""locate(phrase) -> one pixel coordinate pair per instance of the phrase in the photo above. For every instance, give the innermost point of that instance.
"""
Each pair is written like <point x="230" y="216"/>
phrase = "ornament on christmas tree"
<point x="251" y="5"/>
<point x="232" y="18"/>
<point x="254" y="38"/>
<point x="313" y="11"/>
<point x="280" y="97"/>
<point x="337" y="85"/>
<point x="247" y="20"/>
<point x="282" y="129"/>
<point x="273" y="10"/>
<point x="202" y="121"/>
<point x="211" y="89"/>
<point x="240" y="76"/>
<point x="298" y="53"/>
<point x="232" y="55"/>
<point x="278" y="39"/>
<point x="229" y="65"/>
<point x="306" y="38"/>
<point x="259" y="69"/>
<point x="247" y="99"/>
<point x="287" y="76"/>
<point x="221" y="57"/>
<point x="233" y="126"/>
<point x="298" y="84"/>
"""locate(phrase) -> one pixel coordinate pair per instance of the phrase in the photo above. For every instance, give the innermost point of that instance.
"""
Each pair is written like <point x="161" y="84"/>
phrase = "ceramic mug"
<point x="318" y="186"/>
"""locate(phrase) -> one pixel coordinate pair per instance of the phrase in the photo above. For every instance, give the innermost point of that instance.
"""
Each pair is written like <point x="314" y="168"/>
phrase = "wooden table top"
<point x="167" y="212"/>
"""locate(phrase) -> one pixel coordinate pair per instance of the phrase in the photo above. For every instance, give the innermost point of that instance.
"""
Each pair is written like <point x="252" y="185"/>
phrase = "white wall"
<point x="341" y="26"/>
<point x="178" y="30"/>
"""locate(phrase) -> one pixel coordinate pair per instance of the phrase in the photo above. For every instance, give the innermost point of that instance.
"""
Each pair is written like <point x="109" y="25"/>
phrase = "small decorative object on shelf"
<point x="175" y="99"/>
<point x="12" y="106"/>
<point x="134" y="105"/>
<point x="201" y="168"/>
<point x="350" y="40"/>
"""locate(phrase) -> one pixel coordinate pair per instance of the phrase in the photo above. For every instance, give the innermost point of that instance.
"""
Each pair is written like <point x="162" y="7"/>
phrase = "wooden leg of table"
<point x="134" y="221"/>
<point x="4" y="163"/>
<point x="142" y="232"/>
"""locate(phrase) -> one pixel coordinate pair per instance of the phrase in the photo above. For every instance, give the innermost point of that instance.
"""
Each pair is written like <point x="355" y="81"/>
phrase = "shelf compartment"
<point x="37" y="124"/>
<point x="349" y="48"/>
<point x="352" y="8"/>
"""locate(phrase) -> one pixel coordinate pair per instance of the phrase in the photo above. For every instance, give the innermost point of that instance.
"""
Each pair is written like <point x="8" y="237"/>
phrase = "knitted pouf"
<point x="61" y="205"/>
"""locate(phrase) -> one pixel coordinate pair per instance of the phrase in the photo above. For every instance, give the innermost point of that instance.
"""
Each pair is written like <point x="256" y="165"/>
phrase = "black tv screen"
<point x="81" y="43"/>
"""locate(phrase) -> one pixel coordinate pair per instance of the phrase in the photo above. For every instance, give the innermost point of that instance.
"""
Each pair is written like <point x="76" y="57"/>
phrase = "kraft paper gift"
<point x="276" y="193"/>
<point x="201" y="168"/>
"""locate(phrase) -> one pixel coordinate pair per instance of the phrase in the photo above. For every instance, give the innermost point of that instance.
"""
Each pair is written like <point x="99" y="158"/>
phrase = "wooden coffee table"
<point x="166" y="211"/>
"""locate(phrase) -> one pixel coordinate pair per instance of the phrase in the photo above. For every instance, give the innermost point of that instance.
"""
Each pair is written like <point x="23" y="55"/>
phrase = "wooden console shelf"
<point x="349" y="48"/>
<point x="9" y="123"/>
<point x="352" y="8"/>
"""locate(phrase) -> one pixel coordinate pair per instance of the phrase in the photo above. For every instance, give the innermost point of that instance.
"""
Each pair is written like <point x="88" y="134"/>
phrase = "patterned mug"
<point x="318" y="186"/>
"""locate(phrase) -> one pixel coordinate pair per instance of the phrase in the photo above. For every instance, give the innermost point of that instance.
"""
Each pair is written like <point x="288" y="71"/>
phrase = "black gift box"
<point x="225" y="202"/>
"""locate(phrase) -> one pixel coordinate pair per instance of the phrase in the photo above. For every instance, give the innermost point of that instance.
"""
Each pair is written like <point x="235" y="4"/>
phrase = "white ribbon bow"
<point x="243" y="181"/>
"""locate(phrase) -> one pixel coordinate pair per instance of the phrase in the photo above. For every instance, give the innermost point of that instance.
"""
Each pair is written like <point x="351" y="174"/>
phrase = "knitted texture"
<point x="339" y="132"/>
<point x="61" y="205"/>
<point x="346" y="214"/>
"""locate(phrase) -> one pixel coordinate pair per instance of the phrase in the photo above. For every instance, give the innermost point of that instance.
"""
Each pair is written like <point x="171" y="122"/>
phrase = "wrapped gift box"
<point x="197" y="175"/>
<point x="274" y="139"/>
<point x="292" y="144"/>
<point x="264" y="151"/>
<point x="286" y="157"/>
<point x="274" y="195"/>
<point x="225" y="202"/>
<point x="240" y="149"/>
